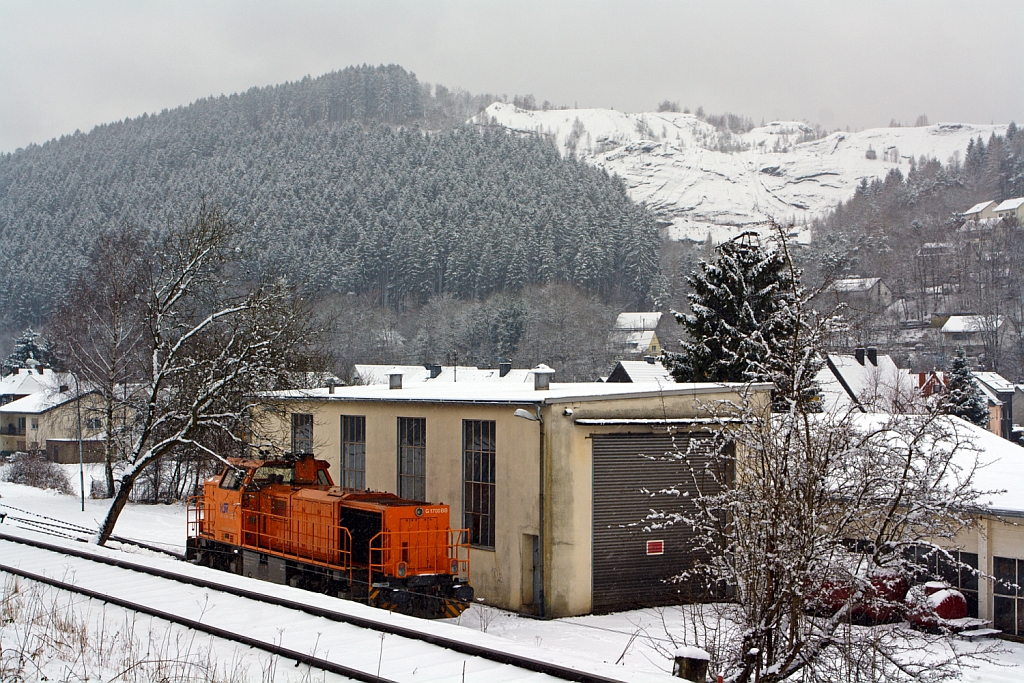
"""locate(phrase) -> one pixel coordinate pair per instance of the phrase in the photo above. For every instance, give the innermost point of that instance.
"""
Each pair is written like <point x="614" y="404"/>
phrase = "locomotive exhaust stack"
<point x="285" y="521"/>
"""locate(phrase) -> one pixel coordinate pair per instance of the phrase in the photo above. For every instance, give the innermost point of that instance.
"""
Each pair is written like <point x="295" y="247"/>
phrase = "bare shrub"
<point x="34" y="470"/>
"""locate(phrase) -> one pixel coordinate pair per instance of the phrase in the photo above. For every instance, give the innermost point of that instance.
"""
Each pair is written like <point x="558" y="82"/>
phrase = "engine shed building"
<point x="554" y="481"/>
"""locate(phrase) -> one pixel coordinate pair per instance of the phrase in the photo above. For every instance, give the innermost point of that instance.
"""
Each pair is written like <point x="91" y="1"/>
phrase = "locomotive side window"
<point x="412" y="458"/>
<point x="478" y="448"/>
<point x="302" y="434"/>
<point x="232" y="479"/>
<point x="353" y="451"/>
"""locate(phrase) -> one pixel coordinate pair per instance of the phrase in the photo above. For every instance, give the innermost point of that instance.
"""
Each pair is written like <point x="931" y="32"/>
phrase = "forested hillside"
<point x="342" y="187"/>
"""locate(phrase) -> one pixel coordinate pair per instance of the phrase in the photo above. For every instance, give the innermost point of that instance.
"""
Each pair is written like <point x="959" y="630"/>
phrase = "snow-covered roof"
<point x="26" y="381"/>
<point x="855" y="284"/>
<point x="883" y="386"/>
<point x="411" y="374"/>
<point x="994" y="381"/>
<point x="37" y="403"/>
<point x="1010" y="205"/>
<point x="1001" y="462"/>
<point x="642" y="371"/>
<point x="637" y="321"/>
<point x="978" y="208"/>
<point x="636" y="341"/>
<point x="509" y="392"/>
<point x="970" y="323"/>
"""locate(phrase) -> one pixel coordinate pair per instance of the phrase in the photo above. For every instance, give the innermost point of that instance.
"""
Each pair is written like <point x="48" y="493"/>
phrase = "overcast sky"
<point x="860" y="63"/>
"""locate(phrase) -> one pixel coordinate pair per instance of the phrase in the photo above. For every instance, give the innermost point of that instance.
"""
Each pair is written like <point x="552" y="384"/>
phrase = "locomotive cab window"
<point x="274" y="474"/>
<point x="232" y="479"/>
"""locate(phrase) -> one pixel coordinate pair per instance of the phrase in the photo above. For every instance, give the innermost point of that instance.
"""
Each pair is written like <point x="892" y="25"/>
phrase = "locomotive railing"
<point x="196" y="517"/>
<point x="412" y="553"/>
<point x="292" y="537"/>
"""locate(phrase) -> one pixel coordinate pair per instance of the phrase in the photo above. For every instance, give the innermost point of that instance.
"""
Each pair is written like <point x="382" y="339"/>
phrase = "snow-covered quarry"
<point x="709" y="182"/>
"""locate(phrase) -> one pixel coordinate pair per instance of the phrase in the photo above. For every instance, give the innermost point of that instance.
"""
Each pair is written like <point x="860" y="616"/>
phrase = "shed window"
<point x="353" y="451"/>
<point x="1008" y="607"/>
<point x="412" y="458"/>
<point x="478" y="448"/>
<point x="302" y="434"/>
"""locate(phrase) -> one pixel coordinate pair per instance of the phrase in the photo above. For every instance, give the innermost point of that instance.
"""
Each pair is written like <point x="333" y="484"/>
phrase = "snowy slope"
<point x="706" y="181"/>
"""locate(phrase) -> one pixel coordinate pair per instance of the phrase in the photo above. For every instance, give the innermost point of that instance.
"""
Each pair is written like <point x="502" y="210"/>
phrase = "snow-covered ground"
<point x="711" y="183"/>
<point x="638" y="641"/>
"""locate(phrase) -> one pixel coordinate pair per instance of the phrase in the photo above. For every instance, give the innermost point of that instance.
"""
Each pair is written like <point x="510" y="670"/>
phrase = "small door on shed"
<point x="633" y="563"/>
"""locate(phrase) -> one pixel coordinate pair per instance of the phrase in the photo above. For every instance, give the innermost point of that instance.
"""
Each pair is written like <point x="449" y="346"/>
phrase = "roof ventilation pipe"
<point x="542" y="377"/>
<point x="859" y="354"/>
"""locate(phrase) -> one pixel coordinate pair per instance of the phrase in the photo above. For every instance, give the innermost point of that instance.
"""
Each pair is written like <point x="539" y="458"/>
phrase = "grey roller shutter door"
<point x="627" y="571"/>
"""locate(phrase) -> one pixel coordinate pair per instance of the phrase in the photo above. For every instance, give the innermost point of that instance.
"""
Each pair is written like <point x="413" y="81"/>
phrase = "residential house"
<point x="974" y="333"/>
<point x="862" y="294"/>
<point x="1011" y="208"/>
<point x="547" y="477"/>
<point x="48" y="422"/>
<point x="981" y="211"/>
<point x="999" y="393"/>
<point x="635" y="334"/>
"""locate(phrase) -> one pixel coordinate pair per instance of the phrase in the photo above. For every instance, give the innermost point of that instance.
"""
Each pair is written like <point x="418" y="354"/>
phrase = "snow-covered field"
<point x="711" y="183"/>
<point x="639" y="641"/>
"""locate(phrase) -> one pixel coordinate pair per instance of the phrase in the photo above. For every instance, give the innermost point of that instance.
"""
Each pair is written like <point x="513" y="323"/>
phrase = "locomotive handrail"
<point x="289" y="540"/>
<point x="423" y="557"/>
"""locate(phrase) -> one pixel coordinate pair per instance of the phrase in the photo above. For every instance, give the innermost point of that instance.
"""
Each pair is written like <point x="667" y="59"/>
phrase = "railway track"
<point x="236" y="610"/>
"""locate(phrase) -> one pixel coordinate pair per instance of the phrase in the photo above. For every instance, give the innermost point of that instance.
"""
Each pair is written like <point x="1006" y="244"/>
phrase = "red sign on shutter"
<point x="655" y="547"/>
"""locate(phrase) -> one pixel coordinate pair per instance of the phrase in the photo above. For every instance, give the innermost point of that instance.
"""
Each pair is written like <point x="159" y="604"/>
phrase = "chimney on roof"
<point x="330" y="386"/>
<point x="395" y="380"/>
<point x="435" y="370"/>
<point x="650" y="359"/>
<point x="873" y="355"/>
<point x="504" y="367"/>
<point x="858" y="353"/>
<point x="63" y="389"/>
<point x="15" y="371"/>
<point x="542" y="377"/>
<point x="40" y="369"/>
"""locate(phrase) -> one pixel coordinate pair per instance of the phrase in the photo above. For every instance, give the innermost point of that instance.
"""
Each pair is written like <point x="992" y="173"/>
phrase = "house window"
<point x="94" y="423"/>
<point x="1008" y="612"/>
<point x="353" y="451"/>
<point x="412" y="458"/>
<point x="35" y="423"/>
<point x="478" y="448"/>
<point x="302" y="434"/>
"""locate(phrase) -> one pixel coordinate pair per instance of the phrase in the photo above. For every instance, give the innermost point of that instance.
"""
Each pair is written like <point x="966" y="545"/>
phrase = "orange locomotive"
<point x="284" y="521"/>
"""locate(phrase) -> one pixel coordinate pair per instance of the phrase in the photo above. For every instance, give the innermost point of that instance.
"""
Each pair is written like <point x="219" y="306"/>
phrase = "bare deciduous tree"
<point x="202" y="342"/>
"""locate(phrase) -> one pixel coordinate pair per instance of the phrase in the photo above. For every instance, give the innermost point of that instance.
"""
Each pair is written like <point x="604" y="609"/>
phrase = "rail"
<point x="390" y="628"/>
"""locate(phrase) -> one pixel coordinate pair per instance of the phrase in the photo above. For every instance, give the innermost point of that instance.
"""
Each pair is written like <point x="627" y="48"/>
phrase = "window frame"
<point x="301" y="421"/>
<point x="352" y="452"/>
<point x="411" y="449"/>
<point x="479" y="481"/>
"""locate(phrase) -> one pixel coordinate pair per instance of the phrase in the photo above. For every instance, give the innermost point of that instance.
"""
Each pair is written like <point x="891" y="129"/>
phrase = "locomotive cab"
<point x="285" y="521"/>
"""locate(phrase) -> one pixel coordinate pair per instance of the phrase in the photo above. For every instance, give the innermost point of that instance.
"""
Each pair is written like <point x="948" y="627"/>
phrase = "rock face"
<point x="705" y="181"/>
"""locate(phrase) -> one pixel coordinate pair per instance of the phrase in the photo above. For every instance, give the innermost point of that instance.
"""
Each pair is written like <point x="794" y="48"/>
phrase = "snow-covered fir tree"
<point x="964" y="397"/>
<point x="740" y="310"/>
<point x="30" y="350"/>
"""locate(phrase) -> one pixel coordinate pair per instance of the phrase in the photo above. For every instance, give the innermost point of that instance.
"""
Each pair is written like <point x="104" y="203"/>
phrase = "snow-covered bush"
<point x="32" y="469"/>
